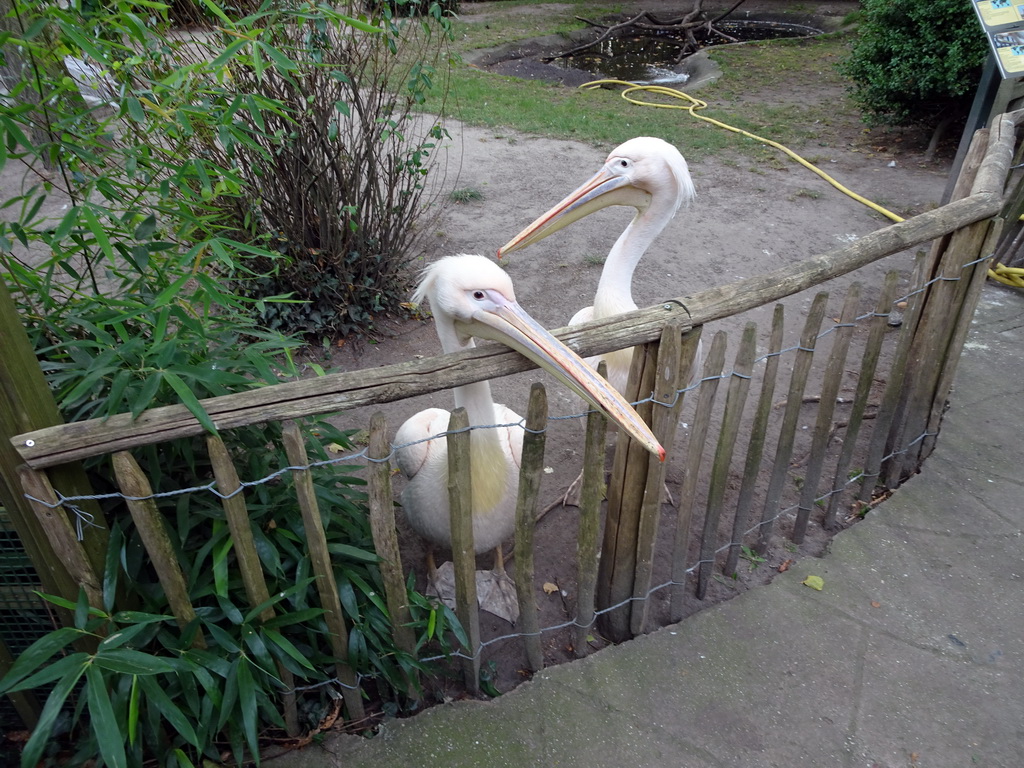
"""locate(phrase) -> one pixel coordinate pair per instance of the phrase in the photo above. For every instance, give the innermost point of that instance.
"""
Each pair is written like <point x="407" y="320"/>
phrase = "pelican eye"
<point x="479" y="295"/>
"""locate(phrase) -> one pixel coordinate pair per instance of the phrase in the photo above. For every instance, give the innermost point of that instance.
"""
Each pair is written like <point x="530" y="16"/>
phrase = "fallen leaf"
<point x="875" y="604"/>
<point x="814" y="582"/>
<point x="549" y="588"/>
<point x="335" y="448"/>
<point x="785" y="565"/>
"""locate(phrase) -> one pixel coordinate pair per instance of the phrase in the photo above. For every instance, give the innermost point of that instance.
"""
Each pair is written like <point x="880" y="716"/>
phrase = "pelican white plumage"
<point x="644" y="173"/>
<point x="472" y="297"/>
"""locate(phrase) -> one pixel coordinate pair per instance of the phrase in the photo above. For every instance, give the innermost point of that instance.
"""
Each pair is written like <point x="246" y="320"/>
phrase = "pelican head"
<point x="472" y="297"/>
<point x="639" y="173"/>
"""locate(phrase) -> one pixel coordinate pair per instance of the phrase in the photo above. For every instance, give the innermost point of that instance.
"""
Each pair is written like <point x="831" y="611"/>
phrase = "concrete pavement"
<point x="911" y="656"/>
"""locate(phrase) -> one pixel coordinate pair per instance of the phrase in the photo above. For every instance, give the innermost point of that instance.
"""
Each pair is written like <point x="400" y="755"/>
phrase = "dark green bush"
<point x="916" y="62"/>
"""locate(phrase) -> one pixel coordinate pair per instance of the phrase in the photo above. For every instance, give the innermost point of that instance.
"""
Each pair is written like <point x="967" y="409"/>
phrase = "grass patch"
<point x="466" y="195"/>
<point x="602" y="117"/>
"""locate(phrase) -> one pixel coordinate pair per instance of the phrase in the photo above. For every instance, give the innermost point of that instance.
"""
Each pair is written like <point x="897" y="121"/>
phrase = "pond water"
<point x="653" y="57"/>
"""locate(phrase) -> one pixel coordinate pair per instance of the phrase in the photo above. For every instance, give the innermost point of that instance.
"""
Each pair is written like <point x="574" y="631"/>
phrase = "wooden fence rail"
<point x="614" y="581"/>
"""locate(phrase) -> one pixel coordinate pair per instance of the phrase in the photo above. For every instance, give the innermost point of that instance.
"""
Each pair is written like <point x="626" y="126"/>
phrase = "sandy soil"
<point x="748" y="218"/>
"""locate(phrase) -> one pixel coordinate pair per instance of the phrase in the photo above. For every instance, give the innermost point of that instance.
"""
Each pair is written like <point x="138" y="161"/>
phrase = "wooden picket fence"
<point x="887" y="434"/>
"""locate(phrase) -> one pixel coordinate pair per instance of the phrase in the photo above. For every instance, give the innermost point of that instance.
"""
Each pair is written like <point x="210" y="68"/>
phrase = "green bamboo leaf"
<point x="247" y="702"/>
<point x="170" y="711"/>
<point x="146" y="229"/>
<point x="135" y="110"/>
<point x="131" y="662"/>
<point x="270" y="602"/>
<point x="147" y="393"/>
<point x="122" y="636"/>
<point x="215" y="9"/>
<point x="67" y="223"/>
<point x="258" y="647"/>
<point x="223" y="639"/>
<point x="50" y="672"/>
<point x="104" y="723"/>
<point x="40" y="738"/>
<point x="139" y="617"/>
<point x="227" y="54"/>
<point x="359" y="24"/>
<point x="220" y="566"/>
<point x="15" y="136"/>
<point x="133" y="711"/>
<point x="353" y="553"/>
<point x="190" y="401"/>
<point x="114" y="405"/>
<point x="282" y="61"/>
<point x="38" y="654"/>
<point x="93" y="224"/>
<point x="287" y="646"/>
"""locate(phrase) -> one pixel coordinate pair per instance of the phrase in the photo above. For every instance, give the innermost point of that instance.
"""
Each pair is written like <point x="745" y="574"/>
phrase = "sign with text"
<point x="1003" y="22"/>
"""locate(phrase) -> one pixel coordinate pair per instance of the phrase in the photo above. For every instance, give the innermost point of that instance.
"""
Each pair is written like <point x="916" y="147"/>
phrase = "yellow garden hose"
<point x="1011" y="276"/>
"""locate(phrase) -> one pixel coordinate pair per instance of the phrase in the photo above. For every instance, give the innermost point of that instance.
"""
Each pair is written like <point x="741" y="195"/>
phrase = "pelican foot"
<point x="495" y="591"/>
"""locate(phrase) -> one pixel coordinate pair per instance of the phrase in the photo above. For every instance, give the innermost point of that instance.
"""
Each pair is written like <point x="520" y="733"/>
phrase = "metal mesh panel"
<point x="24" y="617"/>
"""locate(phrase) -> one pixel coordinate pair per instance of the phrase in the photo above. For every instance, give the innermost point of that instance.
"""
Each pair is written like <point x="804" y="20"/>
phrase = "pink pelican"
<point x="644" y="173"/>
<point x="472" y="297"/>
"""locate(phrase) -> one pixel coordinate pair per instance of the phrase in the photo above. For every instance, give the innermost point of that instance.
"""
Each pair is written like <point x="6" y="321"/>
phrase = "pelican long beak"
<point x="600" y="191"/>
<point x="510" y="324"/>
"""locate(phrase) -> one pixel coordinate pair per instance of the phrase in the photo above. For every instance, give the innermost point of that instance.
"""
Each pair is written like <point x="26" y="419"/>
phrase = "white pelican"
<point x="472" y="297"/>
<point x="645" y="173"/>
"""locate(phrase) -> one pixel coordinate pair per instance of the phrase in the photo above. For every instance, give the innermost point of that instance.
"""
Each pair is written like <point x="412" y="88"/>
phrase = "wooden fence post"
<point x="694" y="458"/>
<point x="787" y="433"/>
<point x="735" y="400"/>
<point x="592" y="492"/>
<point x="150" y="524"/>
<point x="385" y="542"/>
<point x="826" y="409"/>
<point x="237" y="515"/>
<point x="26" y="404"/>
<point x="675" y="360"/>
<point x="755" y="448"/>
<point x="526" y="520"/>
<point x="460" y="496"/>
<point x="617" y="567"/>
<point x="865" y="379"/>
<point x="320" y="557"/>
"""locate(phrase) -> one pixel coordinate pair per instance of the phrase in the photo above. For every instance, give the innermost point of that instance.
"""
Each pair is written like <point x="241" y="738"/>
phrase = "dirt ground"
<point x="748" y="218"/>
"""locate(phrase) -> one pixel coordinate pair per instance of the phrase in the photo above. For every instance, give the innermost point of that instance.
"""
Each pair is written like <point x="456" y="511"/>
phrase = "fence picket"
<point x="735" y="400"/>
<point x="53" y="521"/>
<point x="617" y="566"/>
<point x="460" y="496"/>
<point x="755" y="447"/>
<point x="151" y="527"/>
<point x="961" y="326"/>
<point x="385" y="543"/>
<point x="826" y="409"/>
<point x="886" y="423"/>
<point x="931" y="342"/>
<point x="787" y="432"/>
<point x="244" y="544"/>
<point x="592" y="492"/>
<point x="320" y="558"/>
<point x="694" y="453"/>
<point x="530" y="471"/>
<point x="675" y="357"/>
<point x="866" y="375"/>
